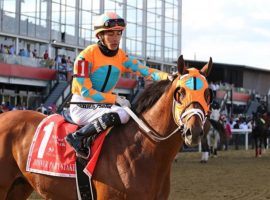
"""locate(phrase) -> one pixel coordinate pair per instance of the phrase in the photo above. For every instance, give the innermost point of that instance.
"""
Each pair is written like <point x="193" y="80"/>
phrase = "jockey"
<point x="96" y="72"/>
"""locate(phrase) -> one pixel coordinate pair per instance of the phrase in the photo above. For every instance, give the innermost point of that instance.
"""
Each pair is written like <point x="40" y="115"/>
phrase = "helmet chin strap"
<point x="101" y="39"/>
<point x="103" y="47"/>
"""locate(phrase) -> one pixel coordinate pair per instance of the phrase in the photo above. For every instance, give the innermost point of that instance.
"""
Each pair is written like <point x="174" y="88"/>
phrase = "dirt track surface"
<point x="233" y="175"/>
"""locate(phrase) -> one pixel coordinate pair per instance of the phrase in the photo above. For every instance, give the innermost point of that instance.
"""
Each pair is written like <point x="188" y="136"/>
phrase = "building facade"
<point x="153" y="31"/>
<point x="65" y="27"/>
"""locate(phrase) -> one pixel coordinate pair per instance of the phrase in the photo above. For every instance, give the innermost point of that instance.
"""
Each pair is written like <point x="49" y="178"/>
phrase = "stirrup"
<point x="82" y="154"/>
<point x="80" y="150"/>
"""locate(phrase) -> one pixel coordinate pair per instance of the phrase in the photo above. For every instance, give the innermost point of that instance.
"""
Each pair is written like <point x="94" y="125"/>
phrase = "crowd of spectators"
<point x="62" y="63"/>
<point x="64" y="66"/>
<point x="7" y="106"/>
<point x="7" y="49"/>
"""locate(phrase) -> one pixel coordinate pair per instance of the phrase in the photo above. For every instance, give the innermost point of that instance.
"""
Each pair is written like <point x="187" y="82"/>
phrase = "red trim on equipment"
<point x="83" y="70"/>
<point x="126" y="83"/>
<point x="21" y="71"/>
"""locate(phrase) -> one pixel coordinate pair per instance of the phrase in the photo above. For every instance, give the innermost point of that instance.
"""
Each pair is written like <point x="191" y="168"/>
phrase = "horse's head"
<point x="192" y="98"/>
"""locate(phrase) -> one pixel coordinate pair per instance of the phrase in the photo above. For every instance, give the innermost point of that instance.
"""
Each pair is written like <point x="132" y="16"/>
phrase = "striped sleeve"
<point x="133" y="65"/>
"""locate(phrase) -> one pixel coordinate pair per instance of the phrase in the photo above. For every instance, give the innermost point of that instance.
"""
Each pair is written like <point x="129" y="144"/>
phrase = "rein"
<point x="150" y="133"/>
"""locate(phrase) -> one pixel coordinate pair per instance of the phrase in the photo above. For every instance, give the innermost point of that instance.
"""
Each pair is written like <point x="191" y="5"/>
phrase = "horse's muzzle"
<point x="192" y="137"/>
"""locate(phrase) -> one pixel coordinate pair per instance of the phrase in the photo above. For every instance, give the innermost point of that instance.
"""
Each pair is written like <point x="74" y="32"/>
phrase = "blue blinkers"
<point x="194" y="83"/>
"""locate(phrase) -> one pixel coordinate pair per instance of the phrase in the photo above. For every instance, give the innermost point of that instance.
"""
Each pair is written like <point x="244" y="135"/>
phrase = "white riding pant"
<point x="83" y="116"/>
<point x="213" y="138"/>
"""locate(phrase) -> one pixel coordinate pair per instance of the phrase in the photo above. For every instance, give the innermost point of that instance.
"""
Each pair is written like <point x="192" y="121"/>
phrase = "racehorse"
<point x="213" y="140"/>
<point x="133" y="164"/>
<point x="260" y="132"/>
<point x="214" y="133"/>
<point x="217" y="124"/>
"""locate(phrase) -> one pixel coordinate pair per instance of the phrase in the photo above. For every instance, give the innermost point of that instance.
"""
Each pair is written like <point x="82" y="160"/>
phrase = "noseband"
<point x="187" y="114"/>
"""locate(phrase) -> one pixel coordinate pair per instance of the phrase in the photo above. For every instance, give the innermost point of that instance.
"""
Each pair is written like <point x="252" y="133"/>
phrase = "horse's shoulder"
<point x="21" y="116"/>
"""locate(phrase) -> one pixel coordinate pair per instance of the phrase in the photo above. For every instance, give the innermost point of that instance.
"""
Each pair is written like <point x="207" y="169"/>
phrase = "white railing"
<point x="235" y="131"/>
<point x="64" y="95"/>
<point x="26" y="61"/>
<point x="243" y="132"/>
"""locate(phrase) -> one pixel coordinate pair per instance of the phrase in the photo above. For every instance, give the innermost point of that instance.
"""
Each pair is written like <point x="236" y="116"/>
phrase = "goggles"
<point x="112" y="23"/>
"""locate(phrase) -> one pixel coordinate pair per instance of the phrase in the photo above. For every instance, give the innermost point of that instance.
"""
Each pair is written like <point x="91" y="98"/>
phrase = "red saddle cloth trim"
<point x="50" y="154"/>
<point x="95" y="151"/>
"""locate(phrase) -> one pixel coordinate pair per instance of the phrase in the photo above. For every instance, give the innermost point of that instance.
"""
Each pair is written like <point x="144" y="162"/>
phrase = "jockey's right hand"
<point x="122" y="101"/>
<point x="172" y="76"/>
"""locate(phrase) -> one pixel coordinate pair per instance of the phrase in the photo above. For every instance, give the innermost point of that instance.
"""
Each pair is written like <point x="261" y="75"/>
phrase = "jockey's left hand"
<point x="122" y="101"/>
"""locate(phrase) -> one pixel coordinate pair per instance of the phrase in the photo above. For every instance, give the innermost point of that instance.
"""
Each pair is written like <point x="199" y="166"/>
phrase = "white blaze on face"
<point x="188" y="140"/>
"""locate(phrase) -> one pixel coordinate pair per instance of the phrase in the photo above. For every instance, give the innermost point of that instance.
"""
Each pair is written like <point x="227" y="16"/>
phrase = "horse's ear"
<point x="181" y="65"/>
<point x="207" y="68"/>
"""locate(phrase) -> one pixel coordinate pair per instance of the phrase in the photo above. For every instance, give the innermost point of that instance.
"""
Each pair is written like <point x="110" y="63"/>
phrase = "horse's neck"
<point x="133" y="151"/>
<point x="160" y="119"/>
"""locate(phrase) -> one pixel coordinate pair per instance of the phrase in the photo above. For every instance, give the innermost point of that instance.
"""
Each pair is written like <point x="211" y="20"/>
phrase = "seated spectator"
<point x="11" y="50"/>
<point x="9" y="106"/>
<point x="228" y="133"/>
<point x="58" y="62"/>
<point x="46" y="55"/>
<point x="236" y="136"/>
<point x="42" y="109"/>
<point x="6" y="49"/>
<point x="2" y="49"/>
<point x="64" y="61"/>
<point x="23" y="53"/>
<point x="24" y="106"/>
<point x="1" y="109"/>
<point x="243" y="125"/>
<point x="29" y="53"/>
<point x="34" y="53"/>
<point x="69" y="62"/>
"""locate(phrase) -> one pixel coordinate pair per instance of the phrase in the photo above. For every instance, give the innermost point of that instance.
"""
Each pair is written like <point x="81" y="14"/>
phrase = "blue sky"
<point x="231" y="31"/>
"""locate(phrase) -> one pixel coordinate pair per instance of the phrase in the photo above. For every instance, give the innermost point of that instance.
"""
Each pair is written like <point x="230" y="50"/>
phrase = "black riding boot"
<point x="91" y="131"/>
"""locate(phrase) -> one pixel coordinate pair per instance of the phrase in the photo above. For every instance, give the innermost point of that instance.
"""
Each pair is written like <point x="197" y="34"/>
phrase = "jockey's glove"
<point x="172" y="76"/>
<point x="122" y="101"/>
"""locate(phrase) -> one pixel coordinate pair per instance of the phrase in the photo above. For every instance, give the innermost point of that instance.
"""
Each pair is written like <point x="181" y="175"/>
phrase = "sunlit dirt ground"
<point x="233" y="175"/>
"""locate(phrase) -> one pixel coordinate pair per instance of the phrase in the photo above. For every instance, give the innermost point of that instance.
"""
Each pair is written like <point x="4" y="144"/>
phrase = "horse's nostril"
<point x="201" y="134"/>
<point x="188" y="133"/>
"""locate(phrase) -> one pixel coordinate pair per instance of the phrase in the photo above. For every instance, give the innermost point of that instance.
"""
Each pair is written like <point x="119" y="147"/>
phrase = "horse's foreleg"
<point x="104" y="191"/>
<point x="205" y="150"/>
<point x="8" y="172"/>
<point x="20" y="189"/>
<point x="257" y="142"/>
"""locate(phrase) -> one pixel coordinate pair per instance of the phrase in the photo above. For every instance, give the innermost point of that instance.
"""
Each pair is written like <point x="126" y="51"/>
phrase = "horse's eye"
<point x="179" y="95"/>
<point x="208" y="96"/>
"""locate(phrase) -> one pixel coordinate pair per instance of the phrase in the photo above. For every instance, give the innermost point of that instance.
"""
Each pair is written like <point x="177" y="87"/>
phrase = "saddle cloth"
<point x="50" y="154"/>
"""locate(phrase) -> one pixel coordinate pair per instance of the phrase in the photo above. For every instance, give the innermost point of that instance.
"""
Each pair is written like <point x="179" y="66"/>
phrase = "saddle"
<point x="83" y="183"/>
<point x="51" y="155"/>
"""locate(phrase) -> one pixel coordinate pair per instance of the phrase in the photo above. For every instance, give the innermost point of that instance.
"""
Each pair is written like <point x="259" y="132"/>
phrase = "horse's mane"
<point x="150" y="95"/>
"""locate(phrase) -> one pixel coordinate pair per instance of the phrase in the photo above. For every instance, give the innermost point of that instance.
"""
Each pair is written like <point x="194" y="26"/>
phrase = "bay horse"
<point x="132" y="164"/>
<point x="260" y="132"/>
<point x="214" y="133"/>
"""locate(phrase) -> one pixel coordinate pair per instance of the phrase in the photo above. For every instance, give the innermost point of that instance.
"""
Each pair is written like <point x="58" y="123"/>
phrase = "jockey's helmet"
<point x="109" y="21"/>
